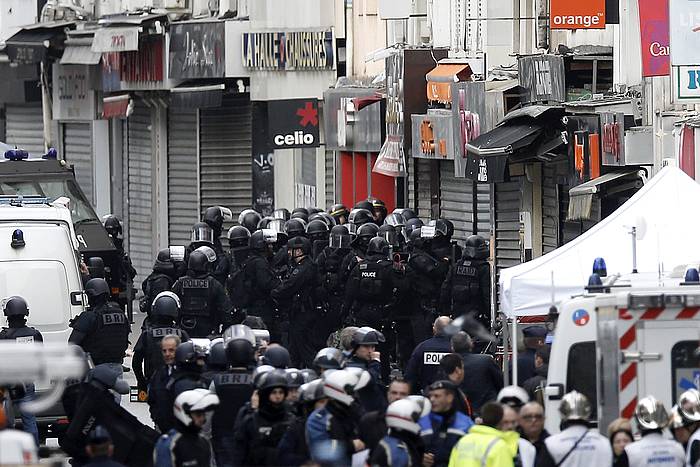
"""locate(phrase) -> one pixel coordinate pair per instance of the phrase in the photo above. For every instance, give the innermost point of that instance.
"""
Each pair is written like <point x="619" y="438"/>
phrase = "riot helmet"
<point x="367" y="336"/>
<point x="208" y="252"/>
<point x="295" y="378"/>
<point x="340" y="213"/>
<point x="395" y="220"/>
<point x="303" y="211"/>
<point x="264" y="222"/>
<point x="240" y="345"/>
<point x="328" y="219"/>
<point x="411" y="225"/>
<point x="364" y="204"/>
<point x="476" y="248"/>
<point x="194" y="400"/>
<point x="273" y="379"/>
<point x="442" y="228"/>
<point x="249" y="219"/>
<point x="190" y="357"/>
<point x="389" y="233"/>
<point x="406" y="213"/>
<point x="311" y="392"/>
<point x="341" y="385"/>
<point x="650" y="414"/>
<point x="113" y="226"/>
<point x="277" y="356"/>
<point x="317" y="230"/>
<point x="262" y="240"/>
<point x="259" y="371"/>
<point x="216" y="359"/>
<point x="339" y="238"/>
<point x="202" y="233"/>
<point x="166" y="306"/>
<point x="300" y="215"/>
<point x="379" y="209"/>
<point x="359" y="217"/>
<point x="282" y="213"/>
<point x="329" y="358"/>
<point x="295" y="228"/>
<point x="574" y="406"/>
<point x="164" y="261"/>
<point x="97" y="291"/>
<point x="404" y="414"/>
<point x="238" y="236"/>
<point x="378" y="246"/>
<point x="198" y="262"/>
<point x="215" y="216"/>
<point x="96" y="267"/>
<point x="299" y="243"/>
<point x="366" y="232"/>
<point x="15" y="306"/>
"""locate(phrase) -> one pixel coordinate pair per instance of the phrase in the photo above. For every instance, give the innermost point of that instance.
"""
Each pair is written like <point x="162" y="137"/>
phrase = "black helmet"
<point x="395" y="220"/>
<point x="302" y="243"/>
<point x="216" y="215"/>
<point x="166" y="305"/>
<point x="476" y="248"/>
<point x="15" y="306"/>
<point x="198" y="262"/>
<point x="365" y="204"/>
<point x="378" y="246"/>
<point x="202" y="233"/>
<point x="366" y="232"/>
<point x="389" y="233"/>
<point x="367" y="336"/>
<point x="96" y="267"/>
<point x="264" y="222"/>
<point x="216" y="360"/>
<point x="282" y="213"/>
<point x="328" y="359"/>
<point x="164" y="261"/>
<point x="295" y="227"/>
<point x="238" y="236"/>
<point x="276" y="356"/>
<point x="273" y="379"/>
<point x="113" y="226"/>
<point x="442" y="228"/>
<point x="378" y="206"/>
<point x="240" y="353"/>
<point x="295" y="378"/>
<point x="317" y="230"/>
<point x="359" y="217"/>
<point x="97" y="291"/>
<point x="338" y="211"/>
<point x="314" y="210"/>
<point x="328" y="219"/>
<point x="302" y="216"/>
<point x="249" y="219"/>
<point x="260" y="240"/>
<point x="187" y="354"/>
<point x="413" y="224"/>
<point x="340" y="237"/>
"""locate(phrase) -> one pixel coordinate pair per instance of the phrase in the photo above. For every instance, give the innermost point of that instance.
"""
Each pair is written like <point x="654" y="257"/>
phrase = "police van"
<point x="638" y="337"/>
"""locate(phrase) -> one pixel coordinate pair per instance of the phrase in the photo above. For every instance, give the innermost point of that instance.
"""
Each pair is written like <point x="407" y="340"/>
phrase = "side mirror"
<point x="554" y="392"/>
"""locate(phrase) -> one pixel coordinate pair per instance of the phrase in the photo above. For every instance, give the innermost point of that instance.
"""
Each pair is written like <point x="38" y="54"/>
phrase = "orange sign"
<point x="577" y="14"/>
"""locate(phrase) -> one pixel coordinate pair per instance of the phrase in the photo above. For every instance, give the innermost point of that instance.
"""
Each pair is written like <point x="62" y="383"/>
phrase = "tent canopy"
<point x="667" y="221"/>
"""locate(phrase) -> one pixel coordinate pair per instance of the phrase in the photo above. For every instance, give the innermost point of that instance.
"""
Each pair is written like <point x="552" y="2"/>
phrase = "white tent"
<point x="666" y="214"/>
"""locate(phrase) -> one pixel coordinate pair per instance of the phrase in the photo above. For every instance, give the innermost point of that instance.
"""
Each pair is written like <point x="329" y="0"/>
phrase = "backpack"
<point x="163" y="452"/>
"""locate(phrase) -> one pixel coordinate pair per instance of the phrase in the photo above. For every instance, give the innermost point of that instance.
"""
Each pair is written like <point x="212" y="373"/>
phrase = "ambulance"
<point x="637" y="337"/>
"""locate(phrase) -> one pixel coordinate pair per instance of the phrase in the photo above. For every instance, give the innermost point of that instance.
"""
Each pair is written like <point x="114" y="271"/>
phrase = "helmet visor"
<point x="276" y="225"/>
<point x="427" y="232"/>
<point x="239" y="332"/>
<point x="177" y="253"/>
<point x="395" y="220"/>
<point x="270" y="236"/>
<point x="391" y="237"/>
<point x="339" y="241"/>
<point x="203" y="233"/>
<point x="280" y="214"/>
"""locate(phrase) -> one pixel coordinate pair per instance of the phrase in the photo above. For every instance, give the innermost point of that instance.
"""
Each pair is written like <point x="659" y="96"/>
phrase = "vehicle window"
<point x="684" y="367"/>
<point x="581" y="372"/>
<point x="52" y="189"/>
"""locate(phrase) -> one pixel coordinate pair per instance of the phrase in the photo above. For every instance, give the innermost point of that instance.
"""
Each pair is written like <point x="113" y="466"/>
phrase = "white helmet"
<point x="341" y="385"/>
<point x="194" y="400"/>
<point x="515" y="396"/>
<point x="404" y="414"/>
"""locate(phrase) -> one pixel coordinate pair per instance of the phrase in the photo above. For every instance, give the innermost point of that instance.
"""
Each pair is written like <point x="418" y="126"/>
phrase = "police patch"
<point x="24" y="340"/>
<point x="372" y="274"/>
<point x="433" y="358"/>
<point x="113" y="318"/>
<point x="234" y="379"/>
<point x="190" y="283"/>
<point x="466" y="271"/>
<point x="159" y="333"/>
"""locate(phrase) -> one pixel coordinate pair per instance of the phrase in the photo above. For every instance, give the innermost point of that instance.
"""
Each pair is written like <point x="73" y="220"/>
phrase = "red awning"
<point x="116" y="106"/>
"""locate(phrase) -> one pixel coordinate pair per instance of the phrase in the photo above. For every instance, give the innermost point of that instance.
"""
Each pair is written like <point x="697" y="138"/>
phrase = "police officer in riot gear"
<point x="16" y="310"/>
<point x="467" y="287"/>
<point x="364" y="234"/>
<point x="103" y="330"/>
<point x="359" y="217"/>
<point x="190" y="360"/>
<point x="296" y="295"/>
<point x="576" y="444"/>
<point x="293" y="448"/>
<point x="148" y="357"/>
<point x="123" y="277"/>
<point x="379" y="210"/>
<point x="300" y="213"/>
<point x="406" y="213"/>
<point x="442" y="245"/>
<point x="332" y="287"/>
<point x="160" y="280"/>
<point x="259" y="432"/>
<point x="205" y="305"/>
<point x="328" y="358"/>
<point x="204" y="236"/>
<point x="249" y="219"/>
<point x="364" y="343"/>
<point x="428" y="274"/>
<point x="411" y="225"/>
<point x="238" y="239"/>
<point x="214" y="217"/>
<point x="318" y="233"/>
<point x="340" y="213"/>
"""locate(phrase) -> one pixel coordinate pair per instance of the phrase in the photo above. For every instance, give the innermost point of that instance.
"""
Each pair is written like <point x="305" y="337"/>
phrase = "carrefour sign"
<point x="577" y="14"/>
<point x="302" y="50"/>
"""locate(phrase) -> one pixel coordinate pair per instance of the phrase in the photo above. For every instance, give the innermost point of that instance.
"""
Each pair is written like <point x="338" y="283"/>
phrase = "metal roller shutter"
<point x="225" y="155"/>
<point x="457" y="203"/>
<point x="183" y="198"/>
<point x="422" y="188"/>
<point x="550" y="209"/>
<point x="140" y="218"/>
<point x="507" y="228"/>
<point x="77" y="150"/>
<point x="25" y="127"/>
<point x="330" y="178"/>
<point x="411" y="180"/>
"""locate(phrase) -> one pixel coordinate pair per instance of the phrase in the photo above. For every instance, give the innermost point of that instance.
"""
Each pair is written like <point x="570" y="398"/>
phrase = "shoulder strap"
<point x="573" y="448"/>
<point x="485" y="457"/>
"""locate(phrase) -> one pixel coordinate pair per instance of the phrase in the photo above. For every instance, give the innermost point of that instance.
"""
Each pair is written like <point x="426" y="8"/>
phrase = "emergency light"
<point x="17" y="239"/>
<point x="594" y="280"/>
<point x="599" y="267"/>
<point x="691" y="277"/>
<point x="51" y="154"/>
<point x="16" y="154"/>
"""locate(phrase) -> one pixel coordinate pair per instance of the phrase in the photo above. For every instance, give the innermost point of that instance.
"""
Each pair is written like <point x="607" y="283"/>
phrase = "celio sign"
<point x="577" y="14"/>
<point x="308" y="50"/>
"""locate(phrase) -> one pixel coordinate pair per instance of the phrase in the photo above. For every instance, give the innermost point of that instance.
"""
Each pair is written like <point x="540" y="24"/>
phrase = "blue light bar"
<point x="16" y="154"/>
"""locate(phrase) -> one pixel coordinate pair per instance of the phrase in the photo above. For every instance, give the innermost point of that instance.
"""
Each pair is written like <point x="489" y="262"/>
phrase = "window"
<point x="581" y="373"/>
<point x="684" y="368"/>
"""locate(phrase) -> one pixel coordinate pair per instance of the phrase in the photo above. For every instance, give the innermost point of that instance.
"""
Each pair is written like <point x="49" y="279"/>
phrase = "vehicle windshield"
<point x="81" y="210"/>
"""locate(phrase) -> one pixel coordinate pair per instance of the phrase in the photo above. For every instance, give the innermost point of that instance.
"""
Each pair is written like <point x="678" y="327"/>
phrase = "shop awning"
<point x="79" y="52"/>
<point x="197" y="97"/>
<point x="117" y="106"/>
<point x="449" y="73"/>
<point x="116" y="39"/>
<point x="581" y="196"/>
<point x="32" y="43"/>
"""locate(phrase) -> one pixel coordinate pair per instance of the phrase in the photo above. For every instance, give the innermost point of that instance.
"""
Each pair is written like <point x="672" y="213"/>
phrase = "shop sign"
<point x="116" y="40"/>
<point x="197" y="50"/>
<point x="288" y="51"/>
<point x="293" y="123"/>
<point x="653" y="25"/>
<point x="684" y="19"/>
<point x="73" y="98"/>
<point x="263" y="162"/>
<point x="687" y="83"/>
<point x="579" y="14"/>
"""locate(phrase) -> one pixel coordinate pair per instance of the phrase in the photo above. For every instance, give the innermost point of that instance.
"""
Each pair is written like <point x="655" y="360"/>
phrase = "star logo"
<point x="308" y="114"/>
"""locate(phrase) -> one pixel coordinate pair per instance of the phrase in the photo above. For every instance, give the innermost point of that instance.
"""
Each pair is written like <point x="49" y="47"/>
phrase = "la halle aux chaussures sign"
<point x="293" y="123"/>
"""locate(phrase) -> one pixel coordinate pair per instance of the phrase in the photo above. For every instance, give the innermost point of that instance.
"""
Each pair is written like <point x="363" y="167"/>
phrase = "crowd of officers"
<point x="287" y="349"/>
